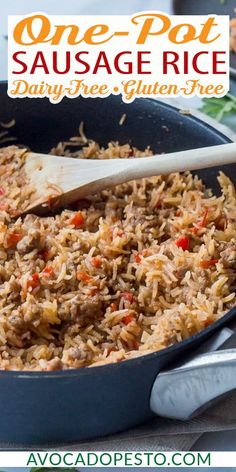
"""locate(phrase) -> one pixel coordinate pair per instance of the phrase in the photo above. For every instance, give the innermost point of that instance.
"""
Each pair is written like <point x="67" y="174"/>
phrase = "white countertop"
<point x="210" y="441"/>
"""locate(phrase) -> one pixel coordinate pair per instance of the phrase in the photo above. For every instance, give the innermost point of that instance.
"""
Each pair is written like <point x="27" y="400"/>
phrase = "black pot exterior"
<point x="38" y="409"/>
<point x="65" y="407"/>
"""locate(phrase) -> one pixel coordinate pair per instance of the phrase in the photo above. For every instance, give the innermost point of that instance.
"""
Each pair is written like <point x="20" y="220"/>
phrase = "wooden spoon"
<point x="63" y="180"/>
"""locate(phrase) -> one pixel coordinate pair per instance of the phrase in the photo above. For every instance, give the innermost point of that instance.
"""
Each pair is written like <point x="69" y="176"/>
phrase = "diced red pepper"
<point x="194" y="230"/>
<point x="135" y="344"/>
<point x="113" y="307"/>
<point x="183" y="242"/>
<point x="83" y="276"/>
<point x="93" y="291"/>
<point x="2" y="191"/>
<point x="207" y="323"/>
<point x="137" y="258"/>
<point x="45" y="254"/>
<point x="203" y="222"/>
<point x="96" y="262"/>
<point x="159" y="204"/>
<point x="204" y="264"/>
<point x="128" y="319"/>
<point x="48" y="270"/>
<point x="13" y="239"/>
<point x="77" y="220"/>
<point x="34" y="281"/>
<point x="128" y="296"/>
<point x="35" y="277"/>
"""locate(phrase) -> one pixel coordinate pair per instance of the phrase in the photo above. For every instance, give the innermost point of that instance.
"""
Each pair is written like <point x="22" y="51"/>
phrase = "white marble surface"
<point x="210" y="441"/>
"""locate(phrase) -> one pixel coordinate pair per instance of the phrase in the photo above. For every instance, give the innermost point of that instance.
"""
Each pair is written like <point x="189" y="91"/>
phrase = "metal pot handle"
<point x="187" y="390"/>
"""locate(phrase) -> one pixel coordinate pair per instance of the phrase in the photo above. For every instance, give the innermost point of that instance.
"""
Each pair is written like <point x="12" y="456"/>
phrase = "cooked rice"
<point x="124" y="273"/>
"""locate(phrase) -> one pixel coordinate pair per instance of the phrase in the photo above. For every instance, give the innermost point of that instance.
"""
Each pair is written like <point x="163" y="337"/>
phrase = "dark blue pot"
<point x="42" y="408"/>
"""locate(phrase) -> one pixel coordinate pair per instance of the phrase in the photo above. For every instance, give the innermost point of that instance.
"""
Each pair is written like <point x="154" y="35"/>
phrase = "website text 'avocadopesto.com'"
<point x="115" y="459"/>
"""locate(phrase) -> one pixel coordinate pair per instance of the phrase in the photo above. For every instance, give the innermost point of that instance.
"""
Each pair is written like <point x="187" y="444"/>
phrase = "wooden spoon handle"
<point x="180" y="161"/>
<point x="76" y="178"/>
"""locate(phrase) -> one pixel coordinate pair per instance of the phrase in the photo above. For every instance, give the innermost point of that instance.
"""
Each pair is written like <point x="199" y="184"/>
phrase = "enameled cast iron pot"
<point x="67" y="406"/>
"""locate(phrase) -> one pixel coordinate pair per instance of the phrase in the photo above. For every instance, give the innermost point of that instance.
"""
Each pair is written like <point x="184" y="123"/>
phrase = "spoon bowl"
<point x="58" y="181"/>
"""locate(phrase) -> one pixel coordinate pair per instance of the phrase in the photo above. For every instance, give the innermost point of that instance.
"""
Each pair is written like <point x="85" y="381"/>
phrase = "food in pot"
<point x="120" y="274"/>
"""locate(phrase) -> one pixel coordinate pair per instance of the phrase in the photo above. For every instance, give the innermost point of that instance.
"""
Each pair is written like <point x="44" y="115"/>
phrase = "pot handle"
<point x="187" y="390"/>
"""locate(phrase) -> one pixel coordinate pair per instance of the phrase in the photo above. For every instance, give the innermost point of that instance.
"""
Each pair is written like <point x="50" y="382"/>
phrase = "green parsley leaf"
<point x="219" y="107"/>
